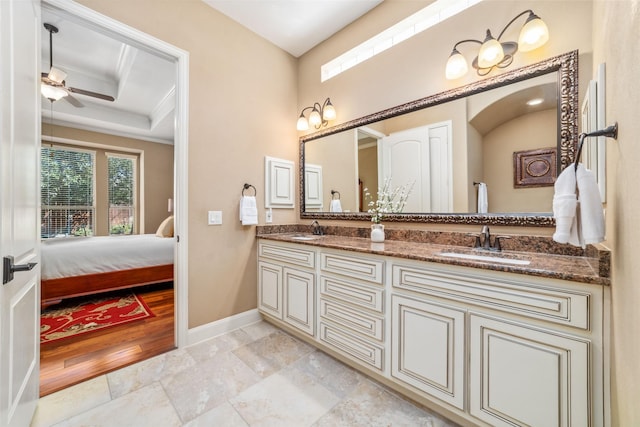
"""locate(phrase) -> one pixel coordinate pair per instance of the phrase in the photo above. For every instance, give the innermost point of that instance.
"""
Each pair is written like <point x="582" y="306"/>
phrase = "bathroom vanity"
<point x="501" y="339"/>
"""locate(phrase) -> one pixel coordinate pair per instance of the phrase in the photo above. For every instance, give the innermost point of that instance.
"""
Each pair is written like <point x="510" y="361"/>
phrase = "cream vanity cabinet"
<point x="287" y="284"/>
<point x="494" y="348"/>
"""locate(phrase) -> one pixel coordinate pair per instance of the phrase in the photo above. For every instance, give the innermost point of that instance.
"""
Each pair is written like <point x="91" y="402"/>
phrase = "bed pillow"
<point x="166" y="228"/>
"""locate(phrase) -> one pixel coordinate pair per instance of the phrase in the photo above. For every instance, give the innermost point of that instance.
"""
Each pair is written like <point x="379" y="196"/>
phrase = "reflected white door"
<point x="19" y="154"/>
<point x="422" y="156"/>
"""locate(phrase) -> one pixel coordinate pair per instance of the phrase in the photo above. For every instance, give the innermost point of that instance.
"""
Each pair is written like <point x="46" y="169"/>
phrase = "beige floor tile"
<point x="224" y="416"/>
<point x="271" y="353"/>
<point x="207" y="385"/>
<point x="287" y="398"/>
<point x="259" y="330"/>
<point x="147" y="407"/>
<point x="227" y="342"/>
<point x="337" y="377"/>
<point x="71" y="401"/>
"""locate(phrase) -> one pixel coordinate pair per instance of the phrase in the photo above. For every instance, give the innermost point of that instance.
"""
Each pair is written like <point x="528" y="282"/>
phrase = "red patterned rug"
<point x="71" y="319"/>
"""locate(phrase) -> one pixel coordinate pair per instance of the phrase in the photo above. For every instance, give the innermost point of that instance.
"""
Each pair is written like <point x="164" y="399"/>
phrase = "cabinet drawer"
<point x="367" y="269"/>
<point x="536" y="300"/>
<point x="363" y="296"/>
<point x="352" y="346"/>
<point x="292" y="255"/>
<point x="366" y="324"/>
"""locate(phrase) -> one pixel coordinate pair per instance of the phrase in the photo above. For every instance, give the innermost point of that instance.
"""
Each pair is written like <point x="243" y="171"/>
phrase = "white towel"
<point x="483" y="198"/>
<point x="335" y="206"/>
<point x="248" y="210"/>
<point x="579" y="220"/>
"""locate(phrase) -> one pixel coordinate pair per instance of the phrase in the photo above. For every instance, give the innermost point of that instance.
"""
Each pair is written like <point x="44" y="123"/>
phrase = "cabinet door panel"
<point x="270" y="289"/>
<point x="299" y="299"/>
<point x="428" y="348"/>
<point x="521" y="376"/>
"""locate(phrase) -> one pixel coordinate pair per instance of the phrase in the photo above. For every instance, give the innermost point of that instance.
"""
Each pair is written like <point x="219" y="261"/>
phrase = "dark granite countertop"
<point x="547" y="258"/>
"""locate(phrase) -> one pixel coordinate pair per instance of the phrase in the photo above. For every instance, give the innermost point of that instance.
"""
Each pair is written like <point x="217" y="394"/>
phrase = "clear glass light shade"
<point x="329" y="113"/>
<point x="52" y="92"/>
<point x="314" y="118"/>
<point x="491" y="53"/>
<point x="456" y="66"/>
<point x="302" y="123"/>
<point x="534" y="34"/>
<point x="57" y="75"/>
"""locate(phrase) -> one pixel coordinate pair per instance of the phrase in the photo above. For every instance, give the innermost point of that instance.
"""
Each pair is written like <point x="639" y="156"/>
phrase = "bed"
<point x="80" y="266"/>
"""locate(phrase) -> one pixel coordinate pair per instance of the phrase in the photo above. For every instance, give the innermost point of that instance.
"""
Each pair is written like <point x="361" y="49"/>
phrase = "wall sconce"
<point x="319" y="116"/>
<point x="494" y="53"/>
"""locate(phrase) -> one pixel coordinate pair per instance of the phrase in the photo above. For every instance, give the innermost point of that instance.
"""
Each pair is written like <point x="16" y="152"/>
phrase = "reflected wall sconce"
<point x="495" y="53"/>
<point x="319" y="116"/>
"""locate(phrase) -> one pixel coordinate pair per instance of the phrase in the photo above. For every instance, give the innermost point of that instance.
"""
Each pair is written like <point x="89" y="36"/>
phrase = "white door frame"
<point x="140" y="40"/>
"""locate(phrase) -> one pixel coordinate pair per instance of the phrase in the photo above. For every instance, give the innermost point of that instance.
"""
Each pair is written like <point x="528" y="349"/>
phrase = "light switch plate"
<point x="215" y="217"/>
<point x="269" y="216"/>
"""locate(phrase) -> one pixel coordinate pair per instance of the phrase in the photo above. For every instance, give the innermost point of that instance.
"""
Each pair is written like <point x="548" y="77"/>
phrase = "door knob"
<point x="8" y="268"/>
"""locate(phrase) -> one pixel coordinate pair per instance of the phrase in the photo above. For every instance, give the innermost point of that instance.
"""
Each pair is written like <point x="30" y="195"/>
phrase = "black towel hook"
<point x="334" y="192"/>
<point x="247" y="186"/>
<point x="609" y="132"/>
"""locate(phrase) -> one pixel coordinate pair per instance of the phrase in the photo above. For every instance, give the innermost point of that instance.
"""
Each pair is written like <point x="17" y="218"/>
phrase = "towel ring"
<point x="610" y="132"/>
<point x="247" y="186"/>
<point x="334" y="192"/>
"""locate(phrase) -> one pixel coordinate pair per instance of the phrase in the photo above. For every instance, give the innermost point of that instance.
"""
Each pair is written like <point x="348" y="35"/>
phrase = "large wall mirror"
<point x="513" y="132"/>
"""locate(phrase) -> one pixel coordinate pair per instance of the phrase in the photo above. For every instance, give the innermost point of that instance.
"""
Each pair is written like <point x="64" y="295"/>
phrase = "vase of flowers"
<point x="388" y="202"/>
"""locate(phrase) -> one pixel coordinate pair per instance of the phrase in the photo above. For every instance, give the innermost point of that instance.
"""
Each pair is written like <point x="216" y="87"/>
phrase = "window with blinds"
<point x="122" y="193"/>
<point x="67" y="189"/>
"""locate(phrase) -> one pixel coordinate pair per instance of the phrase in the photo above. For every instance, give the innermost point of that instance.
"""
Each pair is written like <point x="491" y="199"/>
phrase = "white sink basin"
<point x="485" y="258"/>
<point x="305" y="237"/>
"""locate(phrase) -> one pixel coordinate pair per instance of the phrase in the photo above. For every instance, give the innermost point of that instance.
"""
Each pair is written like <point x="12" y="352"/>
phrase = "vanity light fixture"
<point x="319" y="116"/>
<point x="495" y="53"/>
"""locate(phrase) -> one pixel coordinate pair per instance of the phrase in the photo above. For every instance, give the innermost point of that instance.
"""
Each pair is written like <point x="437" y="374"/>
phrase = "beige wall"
<point x="615" y="41"/>
<point x="242" y="106"/>
<point x="368" y="171"/>
<point x="158" y="173"/>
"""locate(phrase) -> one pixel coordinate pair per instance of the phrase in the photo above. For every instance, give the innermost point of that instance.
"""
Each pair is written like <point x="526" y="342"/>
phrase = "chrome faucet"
<point x="317" y="229"/>
<point x="483" y="240"/>
<point x="486" y="235"/>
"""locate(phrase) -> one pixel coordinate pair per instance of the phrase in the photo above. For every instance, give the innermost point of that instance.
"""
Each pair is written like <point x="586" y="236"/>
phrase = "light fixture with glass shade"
<point x="495" y="53"/>
<point x="319" y="116"/>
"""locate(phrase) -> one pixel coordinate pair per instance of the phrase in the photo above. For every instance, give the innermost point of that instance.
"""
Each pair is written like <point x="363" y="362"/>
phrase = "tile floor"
<point x="255" y="376"/>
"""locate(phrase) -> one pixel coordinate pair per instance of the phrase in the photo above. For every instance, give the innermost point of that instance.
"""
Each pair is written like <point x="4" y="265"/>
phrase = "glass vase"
<point x="377" y="233"/>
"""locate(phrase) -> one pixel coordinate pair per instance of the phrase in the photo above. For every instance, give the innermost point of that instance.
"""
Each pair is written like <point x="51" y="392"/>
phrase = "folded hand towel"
<point x="335" y="206"/>
<point x="579" y="220"/>
<point x="483" y="199"/>
<point x="591" y="214"/>
<point x="248" y="210"/>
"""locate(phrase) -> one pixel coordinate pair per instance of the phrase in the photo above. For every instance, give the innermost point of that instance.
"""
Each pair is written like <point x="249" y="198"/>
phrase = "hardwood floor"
<point x="77" y="359"/>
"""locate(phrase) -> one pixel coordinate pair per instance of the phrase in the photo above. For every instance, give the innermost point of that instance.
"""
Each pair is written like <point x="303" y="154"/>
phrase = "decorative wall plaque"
<point x="534" y="168"/>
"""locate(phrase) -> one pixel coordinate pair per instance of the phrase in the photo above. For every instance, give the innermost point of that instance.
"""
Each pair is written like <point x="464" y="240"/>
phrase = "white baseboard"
<point x="222" y="326"/>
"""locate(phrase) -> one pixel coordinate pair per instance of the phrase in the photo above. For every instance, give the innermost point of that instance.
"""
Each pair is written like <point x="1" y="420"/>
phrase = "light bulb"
<point x="302" y="123"/>
<point x="491" y="52"/>
<point x="314" y="118"/>
<point x="329" y="113"/>
<point x="456" y="66"/>
<point x="534" y="34"/>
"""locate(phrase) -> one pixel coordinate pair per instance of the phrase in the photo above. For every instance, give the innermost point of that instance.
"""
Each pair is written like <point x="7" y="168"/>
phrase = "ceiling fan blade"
<point x="89" y="93"/>
<point x="73" y="101"/>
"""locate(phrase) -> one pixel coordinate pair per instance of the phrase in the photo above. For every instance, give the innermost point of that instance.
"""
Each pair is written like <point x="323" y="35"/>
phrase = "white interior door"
<point x="421" y="156"/>
<point x="19" y="217"/>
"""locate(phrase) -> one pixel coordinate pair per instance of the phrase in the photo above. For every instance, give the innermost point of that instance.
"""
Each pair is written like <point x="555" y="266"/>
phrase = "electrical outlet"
<point x="215" y="218"/>
<point x="269" y="216"/>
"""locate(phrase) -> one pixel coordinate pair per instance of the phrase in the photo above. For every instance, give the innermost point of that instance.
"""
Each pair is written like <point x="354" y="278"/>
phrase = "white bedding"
<point x="77" y="256"/>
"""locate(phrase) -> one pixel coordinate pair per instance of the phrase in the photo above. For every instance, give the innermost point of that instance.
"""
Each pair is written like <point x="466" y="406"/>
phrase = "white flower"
<point x="386" y="202"/>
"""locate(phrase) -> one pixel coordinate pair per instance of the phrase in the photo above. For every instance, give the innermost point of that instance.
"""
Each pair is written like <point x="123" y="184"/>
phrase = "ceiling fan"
<point x="53" y="86"/>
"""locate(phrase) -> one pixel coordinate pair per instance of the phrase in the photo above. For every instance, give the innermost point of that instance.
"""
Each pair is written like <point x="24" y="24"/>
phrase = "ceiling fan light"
<point x="456" y="66"/>
<point x="534" y="34"/>
<point x="52" y="93"/>
<point x="303" y="124"/>
<point x="491" y="52"/>
<point x="57" y="75"/>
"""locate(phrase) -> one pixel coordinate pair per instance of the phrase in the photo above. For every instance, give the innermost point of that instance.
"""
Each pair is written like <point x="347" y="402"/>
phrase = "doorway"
<point x="116" y="30"/>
